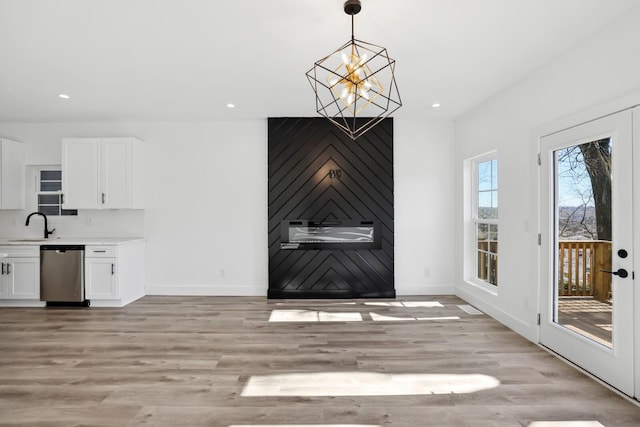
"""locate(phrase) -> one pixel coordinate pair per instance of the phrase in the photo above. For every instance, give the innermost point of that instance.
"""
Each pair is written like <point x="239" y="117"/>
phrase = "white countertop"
<point x="95" y="241"/>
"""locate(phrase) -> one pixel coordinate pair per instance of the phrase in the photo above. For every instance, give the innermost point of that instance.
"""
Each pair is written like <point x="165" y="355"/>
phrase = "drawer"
<point x="31" y="251"/>
<point x="100" y="251"/>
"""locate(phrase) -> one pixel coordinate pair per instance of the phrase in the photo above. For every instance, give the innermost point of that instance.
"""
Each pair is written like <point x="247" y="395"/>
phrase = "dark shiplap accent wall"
<point x="302" y="151"/>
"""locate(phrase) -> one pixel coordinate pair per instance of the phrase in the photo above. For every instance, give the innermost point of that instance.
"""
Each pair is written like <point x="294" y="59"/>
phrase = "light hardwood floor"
<point x="208" y="361"/>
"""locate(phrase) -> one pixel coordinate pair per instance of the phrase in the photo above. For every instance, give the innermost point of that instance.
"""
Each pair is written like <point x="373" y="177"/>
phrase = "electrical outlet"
<point x="525" y="303"/>
<point x="223" y="273"/>
<point x="427" y="272"/>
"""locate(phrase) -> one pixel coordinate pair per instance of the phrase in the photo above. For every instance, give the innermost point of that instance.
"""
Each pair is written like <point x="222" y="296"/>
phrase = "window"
<point x="485" y="215"/>
<point x="49" y="193"/>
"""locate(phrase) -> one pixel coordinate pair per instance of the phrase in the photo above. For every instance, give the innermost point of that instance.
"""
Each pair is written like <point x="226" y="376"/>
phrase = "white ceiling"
<point x="157" y="60"/>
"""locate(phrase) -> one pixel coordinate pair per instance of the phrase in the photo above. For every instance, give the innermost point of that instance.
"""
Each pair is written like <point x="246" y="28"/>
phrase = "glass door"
<point x="587" y="247"/>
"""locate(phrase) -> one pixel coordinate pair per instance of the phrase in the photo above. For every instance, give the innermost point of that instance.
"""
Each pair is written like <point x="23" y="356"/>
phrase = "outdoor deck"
<point x="584" y="288"/>
<point x="587" y="316"/>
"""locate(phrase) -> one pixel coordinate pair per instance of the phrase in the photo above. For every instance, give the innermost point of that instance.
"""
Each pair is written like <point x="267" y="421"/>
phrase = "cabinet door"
<point x="4" y="281"/>
<point x="12" y="175"/>
<point x="80" y="173"/>
<point x="101" y="281"/>
<point x="23" y="278"/>
<point x="116" y="173"/>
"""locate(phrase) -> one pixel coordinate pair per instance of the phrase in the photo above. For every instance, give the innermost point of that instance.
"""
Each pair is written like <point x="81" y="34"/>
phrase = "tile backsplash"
<point x="88" y="223"/>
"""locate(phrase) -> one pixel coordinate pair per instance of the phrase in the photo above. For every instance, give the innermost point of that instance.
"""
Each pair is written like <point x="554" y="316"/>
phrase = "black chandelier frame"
<point x="333" y="107"/>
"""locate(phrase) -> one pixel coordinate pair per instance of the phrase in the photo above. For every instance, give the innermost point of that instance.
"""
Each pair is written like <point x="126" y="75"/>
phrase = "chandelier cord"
<point x="353" y="18"/>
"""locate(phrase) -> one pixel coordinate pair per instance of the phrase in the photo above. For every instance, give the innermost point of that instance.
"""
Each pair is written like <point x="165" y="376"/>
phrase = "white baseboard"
<point x="422" y="289"/>
<point x="22" y="303"/>
<point x="238" y="290"/>
<point x="206" y="290"/>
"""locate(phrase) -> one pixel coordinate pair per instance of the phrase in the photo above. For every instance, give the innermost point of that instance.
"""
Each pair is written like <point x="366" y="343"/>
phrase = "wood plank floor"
<point x="210" y="361"/>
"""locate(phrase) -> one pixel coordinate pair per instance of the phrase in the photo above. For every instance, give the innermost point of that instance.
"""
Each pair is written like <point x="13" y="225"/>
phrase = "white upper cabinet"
<point x="102" y="173"/>
<point x="80" y="173"/>
<point x="12" y="174"/>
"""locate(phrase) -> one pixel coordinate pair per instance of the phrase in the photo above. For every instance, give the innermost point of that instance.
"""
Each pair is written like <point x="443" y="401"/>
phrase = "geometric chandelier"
<point x="355" y="86"/>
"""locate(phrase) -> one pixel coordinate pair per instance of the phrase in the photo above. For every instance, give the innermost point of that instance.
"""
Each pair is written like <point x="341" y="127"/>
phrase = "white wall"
<point x="597" y="70"/>
<point x="206" y="215"/>
<point x="424" y="206"/>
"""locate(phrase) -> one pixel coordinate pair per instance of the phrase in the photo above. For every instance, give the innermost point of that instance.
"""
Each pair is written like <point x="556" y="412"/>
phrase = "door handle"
<point x="622" y="273"/>
<point x="103" y="197"/>
<point x="8" y="268"/>
<point x="113" y="269"/>
<point x="3" y="268"/>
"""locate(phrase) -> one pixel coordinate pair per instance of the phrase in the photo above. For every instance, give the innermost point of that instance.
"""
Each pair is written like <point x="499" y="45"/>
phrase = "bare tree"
<point x="589" y="162"/>
<point x="577" y="221"/>
<point x="597" y="159"/>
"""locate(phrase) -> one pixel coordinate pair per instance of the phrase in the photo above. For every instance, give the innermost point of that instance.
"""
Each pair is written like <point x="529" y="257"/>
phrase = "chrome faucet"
<point x="46" y="227"/>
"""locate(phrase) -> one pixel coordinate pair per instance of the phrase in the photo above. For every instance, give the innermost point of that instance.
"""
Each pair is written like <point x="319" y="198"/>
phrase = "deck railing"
<point x="580" y="265"/>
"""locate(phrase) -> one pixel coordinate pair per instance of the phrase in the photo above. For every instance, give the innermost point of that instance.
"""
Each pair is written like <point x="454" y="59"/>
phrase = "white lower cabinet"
<point x="20" y="278"/>
<point x="114" y="275"/>
<point x="101" y="280"/>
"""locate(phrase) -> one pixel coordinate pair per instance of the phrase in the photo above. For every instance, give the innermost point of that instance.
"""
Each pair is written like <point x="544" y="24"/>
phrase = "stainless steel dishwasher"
<point x="62" y="274"/>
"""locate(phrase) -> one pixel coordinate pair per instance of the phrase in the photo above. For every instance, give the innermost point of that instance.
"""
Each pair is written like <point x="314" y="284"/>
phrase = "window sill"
<point x="484" y="286"/>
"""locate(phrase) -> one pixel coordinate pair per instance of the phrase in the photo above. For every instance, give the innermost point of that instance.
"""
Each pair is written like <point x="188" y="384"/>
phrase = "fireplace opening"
<point x="334" y="234"/>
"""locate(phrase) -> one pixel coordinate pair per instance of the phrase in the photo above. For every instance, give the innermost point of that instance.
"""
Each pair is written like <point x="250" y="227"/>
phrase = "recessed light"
<point x="231" y="105"/>
<point x="436" y="105"/>
<point x="63" y="96"/>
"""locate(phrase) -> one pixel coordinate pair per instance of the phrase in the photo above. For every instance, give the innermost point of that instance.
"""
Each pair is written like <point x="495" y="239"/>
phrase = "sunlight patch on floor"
<point x="566" y="424"/>
<point x="312" y="316"/>
<point x="366" y="384"/>
<point x="305" y="425"/>
<point x="319" y="303"/>
<point x="381" y="318"/>
<point x="412" y="304"/>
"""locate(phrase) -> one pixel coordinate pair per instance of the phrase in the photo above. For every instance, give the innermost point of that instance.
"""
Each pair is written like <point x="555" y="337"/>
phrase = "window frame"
<point x="37" y="173"/>
<point x="474" y="221"/>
